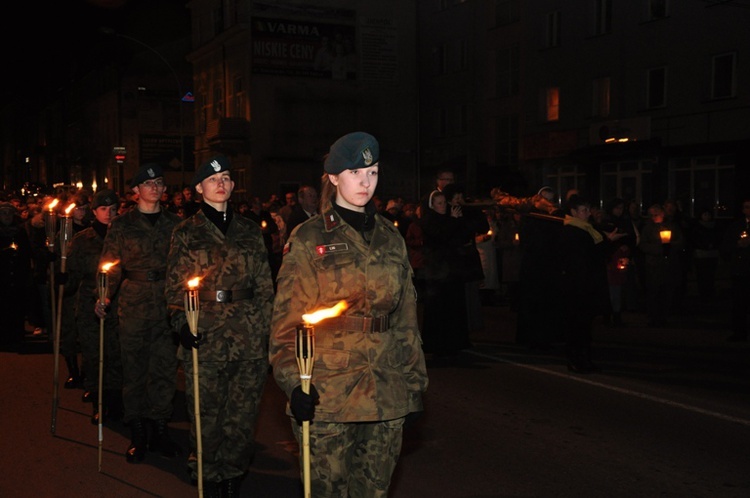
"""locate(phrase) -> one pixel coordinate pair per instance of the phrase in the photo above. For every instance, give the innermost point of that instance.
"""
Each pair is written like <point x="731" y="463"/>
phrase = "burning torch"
<point x="305" y="351"/>
<point x="66" y="233"/>
<point x="192" y="313"/>
<point x="103" y="287"/>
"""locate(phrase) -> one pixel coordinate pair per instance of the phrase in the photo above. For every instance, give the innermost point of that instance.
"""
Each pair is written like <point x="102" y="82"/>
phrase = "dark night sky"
<point x="51" y="41"/>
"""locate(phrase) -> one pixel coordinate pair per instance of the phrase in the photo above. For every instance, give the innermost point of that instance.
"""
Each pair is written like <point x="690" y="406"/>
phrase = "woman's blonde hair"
<point x="327" y="193"/>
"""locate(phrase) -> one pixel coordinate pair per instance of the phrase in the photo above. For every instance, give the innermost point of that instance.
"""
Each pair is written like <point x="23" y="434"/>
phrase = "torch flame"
<point x="70" y="208"/>
<point x="51" y="206"/>
<point x="319" y="315"/>
<point x="108" y="266"/>
<point x="193" y="282"/>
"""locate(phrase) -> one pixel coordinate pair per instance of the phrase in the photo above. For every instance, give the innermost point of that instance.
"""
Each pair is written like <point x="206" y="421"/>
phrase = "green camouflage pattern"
<point x="147" y="346"/>
<point x="360" y="468"/>
<point x="233" y="359"/>
<point x="361" y="377"/>
<point x="228" y="414"/>
<point x="83" y="268"/>
<point x="238" y="260"/>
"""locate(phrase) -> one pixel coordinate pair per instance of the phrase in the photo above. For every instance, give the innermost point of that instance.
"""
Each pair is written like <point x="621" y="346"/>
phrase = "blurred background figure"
<point x="661" y="244"/>
<point x="15" y="274"/>
<point x="735" y="248"/>
<point x="705" y="239"/>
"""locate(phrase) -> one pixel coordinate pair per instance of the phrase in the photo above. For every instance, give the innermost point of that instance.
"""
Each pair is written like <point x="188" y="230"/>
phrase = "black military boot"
<point x="137" y="449"/>
<point x="230" y="488"/>
<point x="74" y="374"/>
<point x="160" y="440"/>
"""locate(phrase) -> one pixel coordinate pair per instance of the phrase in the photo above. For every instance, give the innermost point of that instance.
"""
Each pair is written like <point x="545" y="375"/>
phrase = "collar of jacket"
<point x="336" y="215"/>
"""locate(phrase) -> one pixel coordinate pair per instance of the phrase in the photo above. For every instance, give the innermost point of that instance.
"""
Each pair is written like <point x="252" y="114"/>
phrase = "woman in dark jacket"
<point x="445" y="327"/>
<point x="583" y="253"/>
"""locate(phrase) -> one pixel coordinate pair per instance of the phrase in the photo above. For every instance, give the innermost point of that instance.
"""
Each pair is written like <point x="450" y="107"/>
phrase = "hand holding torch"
<point x="305" y="352"/>
<point x="103" y="288"/>
<point x="192" y="313"/>
<point x="66" y="232"/>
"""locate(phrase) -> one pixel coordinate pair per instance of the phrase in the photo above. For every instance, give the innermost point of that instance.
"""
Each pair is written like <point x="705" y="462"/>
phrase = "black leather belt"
<point x="225" y="296"/>
<point x="356" y="323"/>
<point x="145" y="276"/>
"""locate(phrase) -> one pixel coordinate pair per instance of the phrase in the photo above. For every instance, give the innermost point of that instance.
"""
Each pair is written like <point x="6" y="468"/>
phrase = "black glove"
<point x="61" y="278"/>
<point x="411" y="418"/>
<point x="303" y="405"/>
<point x="188" y="340"/>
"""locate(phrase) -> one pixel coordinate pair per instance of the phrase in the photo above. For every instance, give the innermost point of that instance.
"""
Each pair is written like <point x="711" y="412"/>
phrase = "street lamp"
<point x="111" y="32"/>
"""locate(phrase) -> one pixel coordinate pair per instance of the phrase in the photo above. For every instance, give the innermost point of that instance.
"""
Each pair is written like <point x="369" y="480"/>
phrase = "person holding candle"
<point x="227" y="253"/>
<point x="138" y="241"/>
<point x="661" y="245"/>
<point x="83" y="267"/>
<point x="369" y="368"/>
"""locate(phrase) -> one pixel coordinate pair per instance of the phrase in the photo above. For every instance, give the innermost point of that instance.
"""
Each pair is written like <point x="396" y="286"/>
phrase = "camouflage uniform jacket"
<point x="83" y="267"/>
<point x="238" y="260"/>
<point x="360" y="376"/>
<point x="137" y="245"/>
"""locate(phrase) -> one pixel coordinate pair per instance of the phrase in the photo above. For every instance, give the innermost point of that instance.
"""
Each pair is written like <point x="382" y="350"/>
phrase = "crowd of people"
<point x="419" y="269"/>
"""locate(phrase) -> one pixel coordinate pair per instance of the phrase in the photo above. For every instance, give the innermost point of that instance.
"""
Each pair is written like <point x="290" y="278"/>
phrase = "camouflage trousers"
<point x="88" y="336"/>
<point x="229" y="394"/>
<point x="352" y="460"/>
<point x="149" y="368"/>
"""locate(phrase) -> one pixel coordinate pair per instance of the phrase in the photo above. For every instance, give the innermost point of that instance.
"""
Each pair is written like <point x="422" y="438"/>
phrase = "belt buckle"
<point x="224" y="296"/>
<point x="152" y="275"/>
<point x="367" y="324"/>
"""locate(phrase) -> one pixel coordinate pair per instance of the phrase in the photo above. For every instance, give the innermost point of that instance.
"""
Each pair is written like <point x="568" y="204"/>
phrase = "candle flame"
<point x="489" y="232"/>
<point x="70" y="208"/>
<point x="13" y="246"/>
<point x="263" y="224"/>
<point x="51" y="206"/>
<point x="193" y="283"/>
<point x="108" y="266"/>
<point x="319" y="315"/>
<point x="666" y="236"/>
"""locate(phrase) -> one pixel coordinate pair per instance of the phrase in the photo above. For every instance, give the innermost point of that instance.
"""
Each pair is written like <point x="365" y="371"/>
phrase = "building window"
<point x="238" y="98"/>
<point x="601" y="96"/>
<point x="657" y="9"/>
<point x="629" y="180"/>
<point x="506" y="141"/>
<point x="553" y="29"/>
<point x="463" y="54"/>
<point x="442" y="124"/>
<point x="439" y="59"/>
<point x="602" y="17"/>
<point x="463" y="116"/>
<point x="218" y="18"/>
<point x="507" y="71"/>
<point x="656" y="88"/>
<point x="704" y="182"/>
<point x="723" y="76"/>
<point x="506" y="12"/>
<point x="553" y="103"/>
<point x="218" y="100"/>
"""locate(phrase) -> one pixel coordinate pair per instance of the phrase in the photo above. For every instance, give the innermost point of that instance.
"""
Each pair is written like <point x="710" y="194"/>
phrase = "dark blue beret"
<point x="352" y="151"/>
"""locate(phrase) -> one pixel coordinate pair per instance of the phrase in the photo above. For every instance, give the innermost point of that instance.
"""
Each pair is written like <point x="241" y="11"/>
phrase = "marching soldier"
<point x="226" y="251"/>
<point x="369" y="369"/>
<point x="83" y="268"/>
<point x="139" y="242"/>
